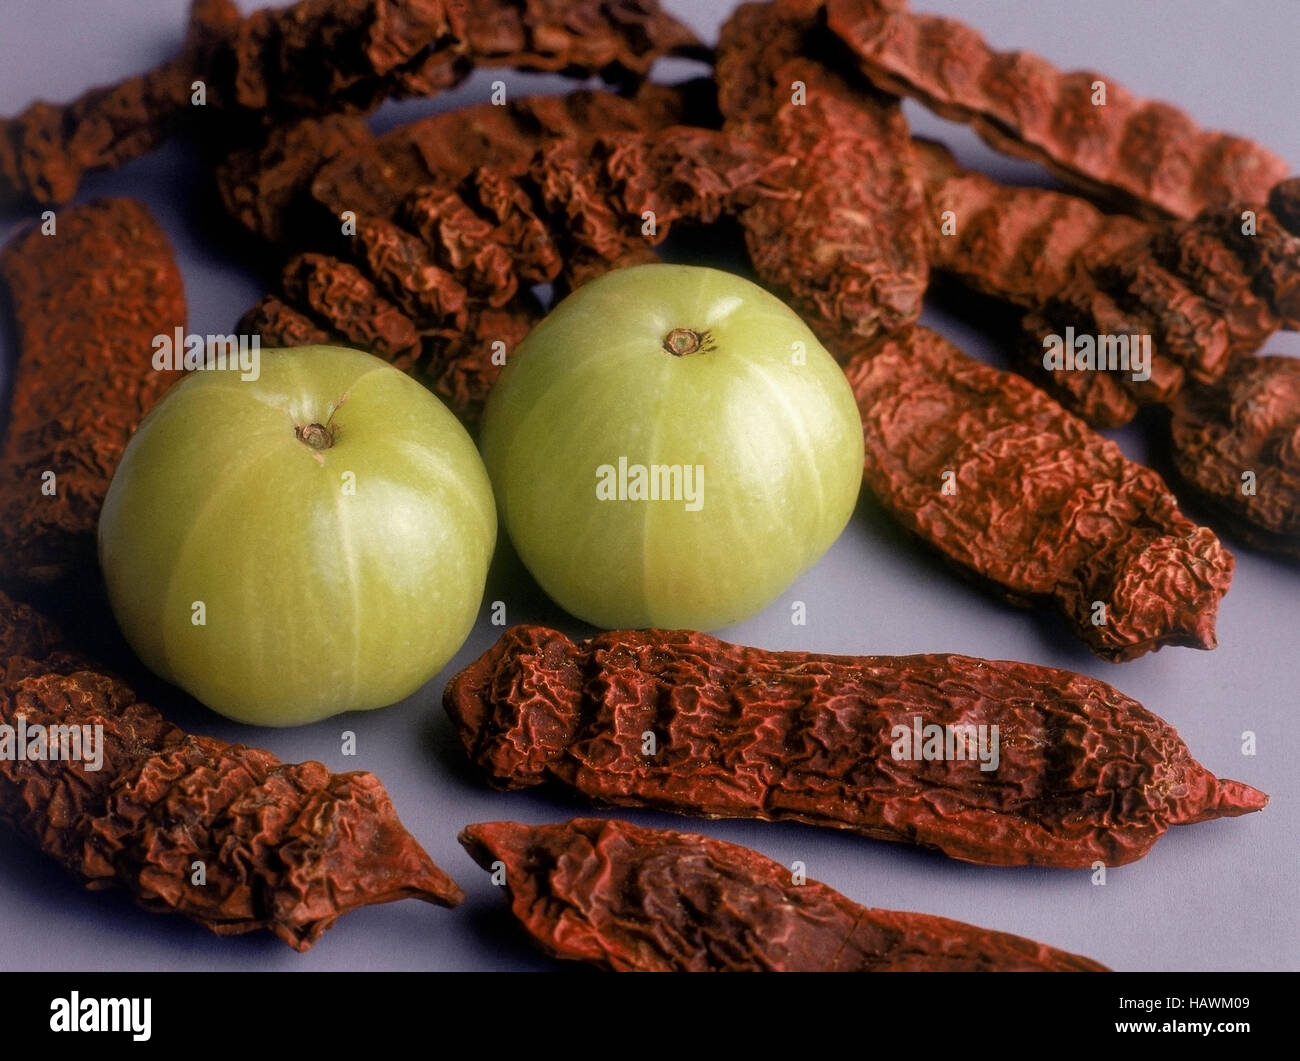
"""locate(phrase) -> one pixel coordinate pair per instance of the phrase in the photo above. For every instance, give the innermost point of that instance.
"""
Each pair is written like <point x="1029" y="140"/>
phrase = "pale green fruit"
<point x="761" y="407"/>
<point x="279" y="583"/>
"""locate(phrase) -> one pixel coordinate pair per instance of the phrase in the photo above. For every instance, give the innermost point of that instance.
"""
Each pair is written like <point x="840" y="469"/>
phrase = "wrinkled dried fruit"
<point x="1082" y="772"/>
<point x="842" y="235"/>
<point x="448" y="239"/>
<point x="1146" y="155"/>
<point x="311" y="57"/>
<point x="1202" y="290"/>
<point x="1012" y="489"/>
<point x="609" y="200"/>
<point x="286" y="848"/>
<point x="631" y="899"/>
<point x="277" y="325"/>
<point x="443" y="149"/>
<point x="318" y="56"/>
<point x="263" y="185"/>
<point x="89" y="299"/>
<point x="1237" y="443"/>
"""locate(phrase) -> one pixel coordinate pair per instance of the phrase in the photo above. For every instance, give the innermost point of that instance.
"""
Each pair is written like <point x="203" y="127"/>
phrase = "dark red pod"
<point x="1237" y="444"/>
<point x="88" y="297"/>
<point x="1082" y="773"/>
<point x="225" y="834"/>
<point x="631" y="899"/>
<point x="1020" y="494"/>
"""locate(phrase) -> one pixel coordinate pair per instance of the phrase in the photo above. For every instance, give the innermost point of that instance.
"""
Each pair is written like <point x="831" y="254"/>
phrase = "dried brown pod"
<point x="1019" y="244"/>
<point x="311" y="57"/>
<point x="618" y="39"/>
<point x="448" y="235"/>
<point x="631" y="899"/>
<point x="1012" y="489"/>
<point x="608" y="200"/>
<point x="90" y="290"/>
<point x="842" y="235"/>
<point x="1148" y="156"/>
<point x="320" y="56"/>
<point x="285" y="848"/>
<point x="444" y="149"/>
<point x="263" y="185"/>
<point x="1204" y="291"/>
<point x="1054" y="768"/>
<point x="1236" y="442"/>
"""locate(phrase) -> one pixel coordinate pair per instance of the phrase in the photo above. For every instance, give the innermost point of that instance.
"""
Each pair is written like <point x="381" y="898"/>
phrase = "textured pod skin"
<point x="648" y="900"/>
<point x="1146" y="155"/>
<point x="341" y="295"/>
<point x="448" y="238"/>
<point x="89" y="300"/>
<point x="1085" y="773"/>
<point x="1247" y="422"/>
<point x="619" y="39"/>
<point x="311" y="57"/>
<point x="286" y="848"/>
<point x="1036" y="504"/>
<point x="443" y="149"/>
<point x="841" y="237"/>
<point x="1018" y="244"/>
<point x="596" y="192"/>
<point x="1203" y="291"/>
<point x="319" y="56"/>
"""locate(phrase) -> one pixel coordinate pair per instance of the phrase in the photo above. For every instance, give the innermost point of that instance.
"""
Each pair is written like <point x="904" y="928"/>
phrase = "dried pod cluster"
<point x="315" y="57"/>
<point x="450" y="227"/>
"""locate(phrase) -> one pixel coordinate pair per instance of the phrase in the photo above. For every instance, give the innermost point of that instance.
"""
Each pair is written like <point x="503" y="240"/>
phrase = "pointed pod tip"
<point x="1236" y="797"/>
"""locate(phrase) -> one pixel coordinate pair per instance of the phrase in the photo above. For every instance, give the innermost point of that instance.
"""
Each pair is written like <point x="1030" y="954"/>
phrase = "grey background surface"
<point x="1221" y="895"/>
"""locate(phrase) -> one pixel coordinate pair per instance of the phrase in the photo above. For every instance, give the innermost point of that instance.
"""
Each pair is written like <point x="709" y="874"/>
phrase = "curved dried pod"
<point x="1015" y="491"/>
<point x="1014" y="243"/>
<point x="319" y="56"/>
<point x="618" y="39"/>
<point x="311" y="57"/>
<point x="600" y="194"/>
<point x="841" y="236"/>
<point x="1236" y="443"/>
<point x="88" y="301"/>
<point x="1146" y="155"/>
<point x="134" y="802"/>
<point x="1202" y="291"/>
<point x="631" y="899"/>
<point x="1055" y="768"/>
<point x="444" y="149"/>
